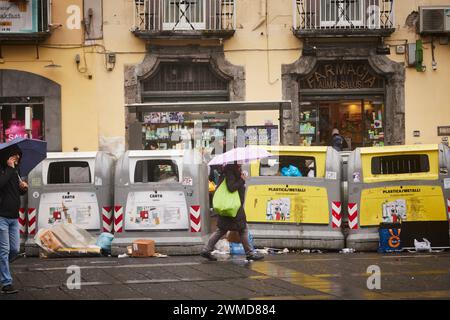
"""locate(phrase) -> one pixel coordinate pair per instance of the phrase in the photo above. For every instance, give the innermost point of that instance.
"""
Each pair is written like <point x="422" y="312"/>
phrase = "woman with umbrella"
<point x="11" y="188"/>
<point x="235" y="181"/>
<point x="234" y="178"/>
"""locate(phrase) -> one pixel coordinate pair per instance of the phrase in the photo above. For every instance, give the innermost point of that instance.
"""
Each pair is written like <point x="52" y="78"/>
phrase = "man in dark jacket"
<point x="11" y="188"/>
<point x="338" y="142"/>
<point x="235" y="181"/>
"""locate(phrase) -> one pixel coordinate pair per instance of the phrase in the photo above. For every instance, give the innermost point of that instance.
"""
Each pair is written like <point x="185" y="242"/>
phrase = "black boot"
<point x="255" y="256"/>
<point x="208" y="255"/>
<point x="8" y="289"/>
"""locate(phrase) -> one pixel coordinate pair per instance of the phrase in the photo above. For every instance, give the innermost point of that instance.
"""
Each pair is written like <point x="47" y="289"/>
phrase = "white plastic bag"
<point x="422" y="246"/>
<point x="223" y="246"/>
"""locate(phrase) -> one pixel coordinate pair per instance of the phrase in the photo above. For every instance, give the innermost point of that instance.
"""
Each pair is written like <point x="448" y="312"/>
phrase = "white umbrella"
<point x="240" y="155"/>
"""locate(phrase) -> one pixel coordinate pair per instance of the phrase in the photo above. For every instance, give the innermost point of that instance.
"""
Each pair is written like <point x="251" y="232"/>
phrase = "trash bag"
<point x="238" y="248"/>
<point x="66" y="240"/>
<point x="104" y="241"/>
<point x="222" y="246"/>
<point x="291" y="171"/>
<point x="422" y="246"/>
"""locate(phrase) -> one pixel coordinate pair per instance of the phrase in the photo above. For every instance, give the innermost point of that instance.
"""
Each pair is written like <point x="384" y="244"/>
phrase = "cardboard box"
<point x="233" y="236"/>
<point x="49" y="240"/>
<point x="143" y="248"/>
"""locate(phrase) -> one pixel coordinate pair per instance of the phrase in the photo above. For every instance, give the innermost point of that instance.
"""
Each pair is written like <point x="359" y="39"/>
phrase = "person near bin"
<point x="152" y="145"/>
<point x="11" y="188"/>
<point x="338" y="142"/>
<point x="235" y="181"/>
<point x="217" y="148"/>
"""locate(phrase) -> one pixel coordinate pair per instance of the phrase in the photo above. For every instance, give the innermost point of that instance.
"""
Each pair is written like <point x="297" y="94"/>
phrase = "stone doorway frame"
<point x="17" y="83"/>
<point x="391" y="71"/>
<point x="214" y="55"/>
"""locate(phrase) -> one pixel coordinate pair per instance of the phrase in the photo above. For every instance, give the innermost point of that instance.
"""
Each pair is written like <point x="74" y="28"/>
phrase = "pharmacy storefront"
<point x="361" y="97"/>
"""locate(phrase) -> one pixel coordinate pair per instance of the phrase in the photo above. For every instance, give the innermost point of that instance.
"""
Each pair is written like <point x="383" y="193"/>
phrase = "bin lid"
<point x="72" y="155"/>
<point x="402" y="148"/>
<point x="300" y="149"/>
<point x="156" y="153"/>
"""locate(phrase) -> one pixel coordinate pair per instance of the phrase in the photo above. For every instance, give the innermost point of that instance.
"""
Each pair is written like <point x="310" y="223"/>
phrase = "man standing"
<point x="338" y="142"/>
<point x="11" y="188"/>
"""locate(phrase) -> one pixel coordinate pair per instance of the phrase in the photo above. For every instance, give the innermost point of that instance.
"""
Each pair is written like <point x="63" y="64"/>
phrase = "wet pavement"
<point x="318" y="276"/>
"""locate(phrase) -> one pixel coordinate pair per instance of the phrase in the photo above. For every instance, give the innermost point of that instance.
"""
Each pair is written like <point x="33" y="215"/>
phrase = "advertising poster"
<point x="279" y="209"/>
<point x="287" y="204"/>
<point x="79" y="208"/>
<point x="398" y="204"/>
<point x="152" y="211"/>
<point x="16" y="128"/>
<point x="394" y="211"/>
<point x="18" y="16"/>
<point x="260" y="135"/>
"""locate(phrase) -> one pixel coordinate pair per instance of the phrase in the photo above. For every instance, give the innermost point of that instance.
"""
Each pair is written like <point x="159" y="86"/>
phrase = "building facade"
<point x="132" y="74"/>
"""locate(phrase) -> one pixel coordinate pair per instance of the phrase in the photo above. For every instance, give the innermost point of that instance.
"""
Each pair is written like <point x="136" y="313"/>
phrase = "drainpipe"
<point x="262" y="14"/>
<point x="267" y="45"/>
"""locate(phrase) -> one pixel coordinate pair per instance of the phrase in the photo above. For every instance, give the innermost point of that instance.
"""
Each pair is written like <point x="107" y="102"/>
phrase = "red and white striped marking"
<point x="32" y="221"/>
<point x="336" y="217"/>
<point x="194" y="214"/>
<point x="118" y="219"/>
<point x="22" y="221"/>
<point x="107" y="217"/>
<point x="448" y="209"/>
<point x="353" y="216"/>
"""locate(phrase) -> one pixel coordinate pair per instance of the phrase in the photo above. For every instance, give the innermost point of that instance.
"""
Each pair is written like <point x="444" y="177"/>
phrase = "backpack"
<point x="226" y="203"/>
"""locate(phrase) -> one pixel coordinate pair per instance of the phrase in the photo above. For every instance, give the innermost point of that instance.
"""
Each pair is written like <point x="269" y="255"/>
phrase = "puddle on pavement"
<point x="298" y="278"/>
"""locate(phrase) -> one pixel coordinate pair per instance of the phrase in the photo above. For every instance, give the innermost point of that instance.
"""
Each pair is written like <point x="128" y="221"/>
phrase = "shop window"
<point x="400" y="164"/>
<point x="183" y="82"/>
<point x="156" y="171"/>
<point x="288" y="166"/>
<point x="360" y="122"/>
<point x="12" y="118"/>
<point x="69" y="172"/>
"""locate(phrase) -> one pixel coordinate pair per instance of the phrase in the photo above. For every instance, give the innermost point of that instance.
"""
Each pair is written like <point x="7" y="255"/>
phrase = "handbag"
<point x="226" y="203"/>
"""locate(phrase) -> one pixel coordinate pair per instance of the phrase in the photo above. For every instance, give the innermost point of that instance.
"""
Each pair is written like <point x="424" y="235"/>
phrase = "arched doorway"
<point x="20" y="90"/>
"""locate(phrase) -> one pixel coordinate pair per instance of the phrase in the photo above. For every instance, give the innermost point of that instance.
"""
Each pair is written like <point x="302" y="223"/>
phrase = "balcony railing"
<point x="24" y="20"/>
<point x="184" y="18"/>
<point x="343" y="17"/>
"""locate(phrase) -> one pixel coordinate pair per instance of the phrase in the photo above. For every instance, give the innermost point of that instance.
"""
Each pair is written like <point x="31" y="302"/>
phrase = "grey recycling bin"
<point x="73" y="187"/>
<point x="303" y="210"/>
<point x="161" y="195"/>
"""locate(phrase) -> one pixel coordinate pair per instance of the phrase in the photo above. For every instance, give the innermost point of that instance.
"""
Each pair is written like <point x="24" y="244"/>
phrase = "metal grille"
<point x="185" y="77"/>
<point x="158" y="15"/>
<point x="400" y="164"/>
<point x="343" y="14"/>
